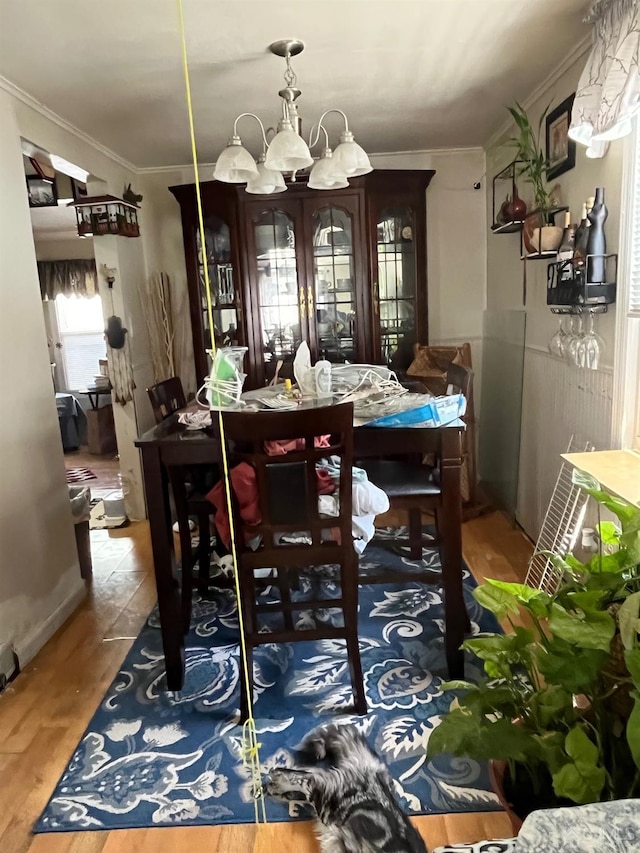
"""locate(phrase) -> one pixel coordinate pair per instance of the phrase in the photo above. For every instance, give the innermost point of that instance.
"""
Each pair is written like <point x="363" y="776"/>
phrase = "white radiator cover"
<point x="558" y="401"/>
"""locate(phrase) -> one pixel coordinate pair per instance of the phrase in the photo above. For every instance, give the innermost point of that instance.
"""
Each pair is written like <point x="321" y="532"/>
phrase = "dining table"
<point x="173" y="444"/>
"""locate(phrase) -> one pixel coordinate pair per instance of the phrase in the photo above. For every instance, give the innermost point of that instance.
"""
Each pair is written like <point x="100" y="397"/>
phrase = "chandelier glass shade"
<point x="235" y="165"/>
<point x="350" y="157"/>
<point x="267" y="181"/>
<point x="287" y="152"/>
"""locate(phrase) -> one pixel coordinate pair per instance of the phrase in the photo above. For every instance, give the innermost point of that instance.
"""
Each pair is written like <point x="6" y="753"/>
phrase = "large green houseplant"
<point x="533" y="166"/>
<point x="561" y="699"/>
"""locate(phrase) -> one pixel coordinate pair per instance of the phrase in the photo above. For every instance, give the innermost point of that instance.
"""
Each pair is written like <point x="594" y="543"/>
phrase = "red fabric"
<point x="243" y="482"/>
<point x="279" y="448"/>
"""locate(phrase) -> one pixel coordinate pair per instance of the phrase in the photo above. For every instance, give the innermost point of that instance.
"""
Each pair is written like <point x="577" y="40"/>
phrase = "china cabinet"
<point x="344" y="270"/>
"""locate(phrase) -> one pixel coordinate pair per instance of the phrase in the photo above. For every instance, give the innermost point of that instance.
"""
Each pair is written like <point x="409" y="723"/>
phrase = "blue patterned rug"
<point x="153" y="758"/>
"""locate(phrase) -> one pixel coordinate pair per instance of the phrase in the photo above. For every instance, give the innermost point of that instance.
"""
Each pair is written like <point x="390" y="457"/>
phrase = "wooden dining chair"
<point x="189" y="487"/>
<point x="287" y="493"/>
<point x="166" y="397"/>
<point x="414" y="487"/>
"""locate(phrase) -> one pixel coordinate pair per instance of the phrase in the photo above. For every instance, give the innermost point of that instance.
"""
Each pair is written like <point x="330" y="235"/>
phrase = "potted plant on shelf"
<point x="540" y="234"/>
<point x="558" y="713"/>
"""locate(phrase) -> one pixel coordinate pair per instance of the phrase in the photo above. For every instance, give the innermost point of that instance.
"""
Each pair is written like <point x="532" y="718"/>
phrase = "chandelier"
<point x="287" y="152"/>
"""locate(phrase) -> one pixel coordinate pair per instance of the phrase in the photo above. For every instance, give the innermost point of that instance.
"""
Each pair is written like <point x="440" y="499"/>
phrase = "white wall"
<point x="111" y="175"/>
<point x="63" y="249"/>
<point x="568" y="401"/>
<point x="164" y="252"/>
<point x="40" y="580"/>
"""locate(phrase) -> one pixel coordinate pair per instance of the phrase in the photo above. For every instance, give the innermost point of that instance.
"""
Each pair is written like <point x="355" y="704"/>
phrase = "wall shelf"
<point x="505" y="183"/>
<point x="508" y="227"/>
<point x="569" y="292"/>
<point x="538" y="256"/>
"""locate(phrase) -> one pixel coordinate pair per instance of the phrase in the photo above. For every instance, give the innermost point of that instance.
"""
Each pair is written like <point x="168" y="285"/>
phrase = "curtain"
<point x="608" y="94"/>
<point x="70" y="278"/>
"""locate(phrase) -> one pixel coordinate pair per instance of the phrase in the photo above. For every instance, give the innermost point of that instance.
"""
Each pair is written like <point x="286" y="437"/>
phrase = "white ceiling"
<point x="410" y="74"/>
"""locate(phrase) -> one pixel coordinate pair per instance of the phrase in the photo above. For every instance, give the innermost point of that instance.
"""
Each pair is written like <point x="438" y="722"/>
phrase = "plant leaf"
<point x="633" y="728"/>
<point x="608" y="532"/>
<point x="496" y="600"/>
<point x="588" y="630"/>
<point x="457" y="684"/>
<point x="472" y="735"/>
<point x="629" y="621"/>
<point x="581" y="785"/>
<point x="552" y="704"/>
<point x="632" y="660"/>
<point x="525" y="595"/>
<point x="623" y="509"/>
<point x="579" y="747"/>
<point x="583" y="780"/>
<point x="559" y="664"/>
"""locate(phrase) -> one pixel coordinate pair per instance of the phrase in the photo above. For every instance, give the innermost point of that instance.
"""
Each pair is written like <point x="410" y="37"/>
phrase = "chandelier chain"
<point x="289" y="75"/>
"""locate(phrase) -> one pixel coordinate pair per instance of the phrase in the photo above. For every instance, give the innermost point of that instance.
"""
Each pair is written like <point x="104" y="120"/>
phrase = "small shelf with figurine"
<point x="588" y="285"/>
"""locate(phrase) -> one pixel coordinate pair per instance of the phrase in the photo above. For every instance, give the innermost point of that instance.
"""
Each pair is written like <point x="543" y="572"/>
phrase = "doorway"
<point x="74" y="326"/>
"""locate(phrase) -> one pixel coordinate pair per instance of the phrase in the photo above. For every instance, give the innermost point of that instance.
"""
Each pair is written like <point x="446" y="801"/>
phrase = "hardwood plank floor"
<point x="44" y="712"/>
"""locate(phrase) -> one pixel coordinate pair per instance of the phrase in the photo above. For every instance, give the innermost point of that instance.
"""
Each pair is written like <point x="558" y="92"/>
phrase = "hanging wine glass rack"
<point x="569" y="292"/>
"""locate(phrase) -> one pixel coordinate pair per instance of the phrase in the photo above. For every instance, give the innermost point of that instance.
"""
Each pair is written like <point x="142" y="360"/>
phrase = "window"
<point x="626" y="390"/>
<point x="81" y="329"/>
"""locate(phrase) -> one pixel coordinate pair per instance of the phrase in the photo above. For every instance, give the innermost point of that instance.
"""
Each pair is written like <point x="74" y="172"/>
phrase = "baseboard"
<point x="28" y="648"/>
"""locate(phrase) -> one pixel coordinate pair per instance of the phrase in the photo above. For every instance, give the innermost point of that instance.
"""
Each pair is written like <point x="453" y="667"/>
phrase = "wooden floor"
<point x="44" y="712"/>
<point x="106" y="468"/>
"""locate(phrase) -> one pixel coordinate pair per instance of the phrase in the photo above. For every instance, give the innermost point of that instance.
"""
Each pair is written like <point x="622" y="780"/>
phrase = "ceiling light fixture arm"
<point x="262" y="130"/>
<point x="314" y="140"/>
<point x="320" y="125"/>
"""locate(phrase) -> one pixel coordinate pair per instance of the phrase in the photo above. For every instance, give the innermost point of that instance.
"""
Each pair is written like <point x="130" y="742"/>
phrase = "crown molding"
<point x="29" y="101"/>
<point x="579" y="49"/>
<point x="461" y="149"/>
<point x="152" y="170"/>
<point x="47" y="235"/>
<point x="469" y="149"/>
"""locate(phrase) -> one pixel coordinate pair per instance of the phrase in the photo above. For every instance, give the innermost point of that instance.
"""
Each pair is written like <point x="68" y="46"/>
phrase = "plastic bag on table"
<point x="302" y="370"/>
<point x="422" y="412"/>
<point x="224" y="384"/>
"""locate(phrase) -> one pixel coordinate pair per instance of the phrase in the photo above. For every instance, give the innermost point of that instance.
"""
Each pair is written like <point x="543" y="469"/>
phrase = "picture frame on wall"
<point x="78" y="190"/>
<point x="560" y="150"/>
<point x="41" y="193"/>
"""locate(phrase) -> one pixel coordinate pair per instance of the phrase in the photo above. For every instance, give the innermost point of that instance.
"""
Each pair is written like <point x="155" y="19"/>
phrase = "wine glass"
<point x="558" y="342"/>
<point x="590" y="347"/>
<point x="575" y="334"/>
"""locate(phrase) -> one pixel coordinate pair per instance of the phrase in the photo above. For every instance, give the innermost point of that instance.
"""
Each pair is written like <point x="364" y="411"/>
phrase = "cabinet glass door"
<point x="333" y="285"/>
<point x="396" y="286"/>
<point x="224" y="297"/>
<point x="281" y="304"/>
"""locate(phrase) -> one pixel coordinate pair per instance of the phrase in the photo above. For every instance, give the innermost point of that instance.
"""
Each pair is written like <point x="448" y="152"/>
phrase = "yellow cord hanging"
<point x="250" y="745"/>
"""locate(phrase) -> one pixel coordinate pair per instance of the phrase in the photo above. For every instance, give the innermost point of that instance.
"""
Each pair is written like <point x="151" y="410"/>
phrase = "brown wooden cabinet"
<point x="344" y="270"/>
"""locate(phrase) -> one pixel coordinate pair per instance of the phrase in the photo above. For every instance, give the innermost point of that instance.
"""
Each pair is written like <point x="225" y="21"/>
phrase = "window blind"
<point x="80" y="353"/>
<point x="633" y="304"/>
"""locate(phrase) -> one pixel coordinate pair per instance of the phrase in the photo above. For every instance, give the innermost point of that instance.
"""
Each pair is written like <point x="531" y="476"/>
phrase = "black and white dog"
<point x="351" y="792"/>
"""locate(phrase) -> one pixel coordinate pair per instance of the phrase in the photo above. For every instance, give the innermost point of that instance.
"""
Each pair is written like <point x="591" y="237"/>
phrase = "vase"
<point x="497" y="772"/>
<point x="516" y="209"/>
<point x="502" y="216"/>
<point x="546" y="239"/>
<point x="596" y="242"/>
